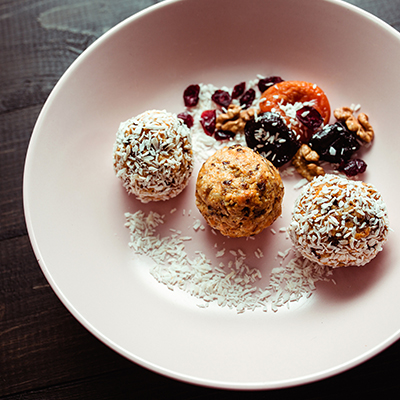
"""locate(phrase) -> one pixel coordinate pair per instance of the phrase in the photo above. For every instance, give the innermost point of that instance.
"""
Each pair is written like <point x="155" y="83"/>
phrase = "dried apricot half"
<point x="288" y="97"/>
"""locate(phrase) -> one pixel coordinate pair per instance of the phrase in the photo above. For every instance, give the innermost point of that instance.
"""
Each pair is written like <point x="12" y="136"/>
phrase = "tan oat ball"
<point x="339" y="222"/>
<point x="238" y="192"/>
<point x="153" y="155"/>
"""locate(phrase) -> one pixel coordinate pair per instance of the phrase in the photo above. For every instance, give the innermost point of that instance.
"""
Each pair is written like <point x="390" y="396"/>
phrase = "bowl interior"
<point x="75" y="205"/>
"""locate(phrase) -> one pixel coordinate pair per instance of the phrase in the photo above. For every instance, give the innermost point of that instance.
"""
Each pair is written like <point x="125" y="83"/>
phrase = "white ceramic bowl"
<point x="75" y="205"/>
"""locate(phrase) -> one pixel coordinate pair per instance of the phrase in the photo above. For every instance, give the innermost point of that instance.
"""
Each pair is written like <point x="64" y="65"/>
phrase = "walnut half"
<point x="359" y="125"/>
<point x="306" y="162"/>
<point x="234" y="120"/>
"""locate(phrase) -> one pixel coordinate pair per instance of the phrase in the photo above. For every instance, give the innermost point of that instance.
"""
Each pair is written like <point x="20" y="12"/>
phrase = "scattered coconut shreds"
<point x="283" y="255"/>
<point x="197" y="225"/>
<point x="233" y="285"/>
<point x="258" y="253"/>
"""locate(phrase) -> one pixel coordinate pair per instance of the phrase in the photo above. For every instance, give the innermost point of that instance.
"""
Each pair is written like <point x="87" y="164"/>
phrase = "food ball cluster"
<point x="153" y="155"/>
<point x="239" y="192"/>
<point x="339" y="222"/>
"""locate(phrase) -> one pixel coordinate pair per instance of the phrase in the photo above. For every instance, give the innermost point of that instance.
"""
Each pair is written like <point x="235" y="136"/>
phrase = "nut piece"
<point x="359" y="125"/>
<point x="366" y="133"/>
<point x="305" y="161"/>
<point x="234" y="119"/>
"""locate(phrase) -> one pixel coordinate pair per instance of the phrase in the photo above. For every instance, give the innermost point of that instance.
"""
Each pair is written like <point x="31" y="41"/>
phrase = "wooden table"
<point x="44" y="352"/>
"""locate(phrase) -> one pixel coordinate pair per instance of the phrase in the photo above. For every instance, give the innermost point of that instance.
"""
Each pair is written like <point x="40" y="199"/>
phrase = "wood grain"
<point x="44" y="352"/>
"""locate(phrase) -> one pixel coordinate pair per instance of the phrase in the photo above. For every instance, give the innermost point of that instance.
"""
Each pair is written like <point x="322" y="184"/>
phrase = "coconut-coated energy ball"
<point x="153" y="155"/>
<point x="238" y="192"/>
<point x="339" y="222"/>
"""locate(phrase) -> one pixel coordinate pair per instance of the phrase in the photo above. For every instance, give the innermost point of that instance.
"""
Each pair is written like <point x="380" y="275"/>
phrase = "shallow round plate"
<point x="75" y="205"/>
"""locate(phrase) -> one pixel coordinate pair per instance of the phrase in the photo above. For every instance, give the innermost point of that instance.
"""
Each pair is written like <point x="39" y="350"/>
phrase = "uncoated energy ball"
<point x="338" y="222"/>
<point x="153" y="155"/>
<point x="239" y="192"/>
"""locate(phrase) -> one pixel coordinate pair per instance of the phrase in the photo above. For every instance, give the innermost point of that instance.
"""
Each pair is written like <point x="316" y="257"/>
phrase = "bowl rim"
<point x="36" y="248"/>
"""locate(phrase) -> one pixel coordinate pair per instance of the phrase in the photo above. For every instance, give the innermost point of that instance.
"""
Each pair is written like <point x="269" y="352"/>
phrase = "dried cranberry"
<point x="309" y="117"/>
<point x="223" y="135"/>
<point x="269" y="135"/>
<point x="265" y="83"/>
<point x="335" y="143"/>
<point x="208" y="121"/>
<point x="191" y="95"/>
<point x="222" y="98"/>
<point x="238" y="90"/>
<point x="186" y="118"/>
<point x="353" y="167"/>
<point x="247" y="99"/>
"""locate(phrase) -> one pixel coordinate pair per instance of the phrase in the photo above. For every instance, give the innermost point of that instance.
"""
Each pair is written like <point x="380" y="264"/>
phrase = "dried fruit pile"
<point x="282" y="117"/>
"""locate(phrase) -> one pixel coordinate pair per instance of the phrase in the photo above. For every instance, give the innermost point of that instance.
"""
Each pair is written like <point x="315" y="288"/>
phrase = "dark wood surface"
<point x="44" y="352"/>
